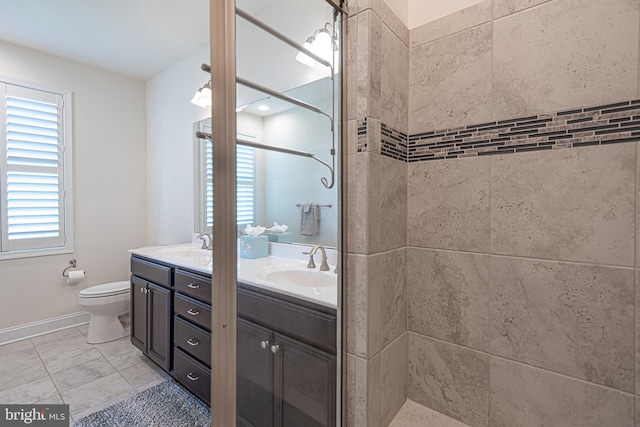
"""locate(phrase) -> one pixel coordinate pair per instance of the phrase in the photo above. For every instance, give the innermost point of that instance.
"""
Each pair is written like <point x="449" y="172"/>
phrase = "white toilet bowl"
<point x="105" y="303"/>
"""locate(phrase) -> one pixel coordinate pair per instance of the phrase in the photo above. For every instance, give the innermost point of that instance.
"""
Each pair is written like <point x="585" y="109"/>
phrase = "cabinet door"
<point x="159" y="321"/>
<point x="304" y="385"/>
<point x="255" y="375"/>
<point x="139" y="313"/>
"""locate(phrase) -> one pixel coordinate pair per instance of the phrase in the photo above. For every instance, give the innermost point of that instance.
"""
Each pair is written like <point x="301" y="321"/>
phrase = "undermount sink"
<point x="303" y="278"/>
<point x="185" y="252"/>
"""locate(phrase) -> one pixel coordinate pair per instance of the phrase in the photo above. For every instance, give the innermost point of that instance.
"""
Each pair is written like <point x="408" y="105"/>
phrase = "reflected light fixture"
<point x="263" y="107"/>
<point x="323" y="43"/>
<point x="203" y="96"/>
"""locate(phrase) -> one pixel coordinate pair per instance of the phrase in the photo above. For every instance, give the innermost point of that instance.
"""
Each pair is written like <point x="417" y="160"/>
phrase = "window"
<point x="245" y="184"/>
<point x="245" y="179"/>
<point x="35" y="171"/>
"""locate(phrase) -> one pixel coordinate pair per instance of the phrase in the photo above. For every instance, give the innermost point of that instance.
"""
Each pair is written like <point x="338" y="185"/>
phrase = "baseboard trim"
<point x="30" y="330"/>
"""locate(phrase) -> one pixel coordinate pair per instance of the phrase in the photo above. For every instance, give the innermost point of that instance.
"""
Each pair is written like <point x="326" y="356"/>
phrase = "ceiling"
<point x="135" y="38"/>
<point x="142" y="38"/>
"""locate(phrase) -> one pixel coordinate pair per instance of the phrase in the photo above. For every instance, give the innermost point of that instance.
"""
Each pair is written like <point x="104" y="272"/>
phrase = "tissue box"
<point x="280" y="237"/>
<point x="254" y="247"/>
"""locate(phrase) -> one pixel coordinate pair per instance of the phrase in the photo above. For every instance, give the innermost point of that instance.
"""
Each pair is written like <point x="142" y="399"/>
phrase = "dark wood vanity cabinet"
<point x="286" y="372"/>
<point x="171" y="321"/>
<point x="151" y="304"/>
<point x="192" y="332"/>
<point x="286" y="361"/>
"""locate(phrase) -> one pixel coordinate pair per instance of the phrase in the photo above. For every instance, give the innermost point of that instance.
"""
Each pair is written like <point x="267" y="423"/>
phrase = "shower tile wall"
<point x="522" y="269"/>
<point x="377" y="360"/>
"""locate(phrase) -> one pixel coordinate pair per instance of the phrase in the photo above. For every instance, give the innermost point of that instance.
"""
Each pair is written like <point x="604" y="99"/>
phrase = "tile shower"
<point x="493" y="172"/>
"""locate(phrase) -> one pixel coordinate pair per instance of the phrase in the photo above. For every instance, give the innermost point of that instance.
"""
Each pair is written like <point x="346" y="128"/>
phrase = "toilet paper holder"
<point x="72" y="264"/>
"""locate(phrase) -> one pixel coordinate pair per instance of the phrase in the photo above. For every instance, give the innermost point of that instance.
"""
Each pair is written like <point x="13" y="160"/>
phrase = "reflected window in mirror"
<point x="203" y="178"/>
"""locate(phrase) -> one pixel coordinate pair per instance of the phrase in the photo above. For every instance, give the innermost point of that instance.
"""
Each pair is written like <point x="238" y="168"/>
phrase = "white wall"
<point x="289" y="180"/>
<point x="414" y="13"/>
<point x="109" y="186"/>
<point x="170" y="140"/>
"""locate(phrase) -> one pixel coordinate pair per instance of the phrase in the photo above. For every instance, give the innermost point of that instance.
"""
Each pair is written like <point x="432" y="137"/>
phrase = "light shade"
<point x="323" y="44"/>
<point x="305" y="59"/>
<point x="203" y="97"/>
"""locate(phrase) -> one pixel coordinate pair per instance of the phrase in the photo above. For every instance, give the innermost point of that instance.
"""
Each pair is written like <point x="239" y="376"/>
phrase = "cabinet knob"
<point x="193" y="286"/>
<point x="193" y="342"/>
<point x="275" y="349"/>
<point x="264" y="344"/>
<point x="191" y="376"/>
<point x="193" y="312"/>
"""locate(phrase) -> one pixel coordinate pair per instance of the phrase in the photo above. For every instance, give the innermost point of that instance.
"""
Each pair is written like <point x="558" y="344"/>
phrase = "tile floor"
<point x="61" y="367"/>
<point x="413" y="414"/>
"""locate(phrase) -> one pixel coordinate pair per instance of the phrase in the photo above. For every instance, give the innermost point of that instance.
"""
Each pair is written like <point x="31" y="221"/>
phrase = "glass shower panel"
<point x="289" y="277"/>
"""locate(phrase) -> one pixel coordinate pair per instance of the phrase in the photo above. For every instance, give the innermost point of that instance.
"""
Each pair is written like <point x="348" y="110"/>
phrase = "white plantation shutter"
<point x="245" y="184"/>
<point x="245" y="178"/>
<point x="209" y="183"/>
<point x="33" y="169"/>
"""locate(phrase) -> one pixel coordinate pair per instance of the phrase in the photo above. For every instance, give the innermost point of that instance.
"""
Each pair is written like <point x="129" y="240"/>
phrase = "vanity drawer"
<point x="156" y="273"/>
<point x="192" y="310"/>
<point x="193" y="340"/>
<point x="305" y="324"/>
<point x="198" y="287"/>
<point x="193" y="375"/>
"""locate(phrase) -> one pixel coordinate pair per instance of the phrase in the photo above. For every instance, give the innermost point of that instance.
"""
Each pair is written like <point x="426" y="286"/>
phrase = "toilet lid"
<point x="107" y="289"/>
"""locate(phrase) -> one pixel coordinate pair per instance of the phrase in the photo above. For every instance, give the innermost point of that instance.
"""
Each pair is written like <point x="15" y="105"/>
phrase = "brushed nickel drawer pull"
<point x="193" y="286"/>
<point x="189" y="375"/>
<point x="193" y="312"/>
<point x="193" y="342"/>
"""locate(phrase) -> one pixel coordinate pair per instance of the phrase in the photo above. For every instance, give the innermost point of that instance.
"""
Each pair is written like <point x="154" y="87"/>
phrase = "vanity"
<point x="286" y="328"/>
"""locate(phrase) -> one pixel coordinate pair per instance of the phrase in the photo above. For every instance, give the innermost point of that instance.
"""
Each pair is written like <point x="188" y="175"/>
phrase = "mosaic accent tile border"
<point x="361" y="144"/>
<point x="599" y="125"/>
<point x="605" y="124"/>
<point x="394" y="143"/>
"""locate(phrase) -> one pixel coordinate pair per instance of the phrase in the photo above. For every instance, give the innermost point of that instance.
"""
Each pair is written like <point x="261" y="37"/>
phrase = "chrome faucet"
<point x="323" y="266"/>
<point x="206" y="240"/>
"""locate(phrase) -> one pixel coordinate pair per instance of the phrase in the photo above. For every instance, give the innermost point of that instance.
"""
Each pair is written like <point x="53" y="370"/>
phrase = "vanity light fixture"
<point x="323" y="43"/>
<point x="203" y="96"/>
<point x="241" y="108"/>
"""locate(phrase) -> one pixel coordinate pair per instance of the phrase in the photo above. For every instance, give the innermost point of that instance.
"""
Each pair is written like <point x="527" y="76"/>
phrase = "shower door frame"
<point x="224" y="278"/>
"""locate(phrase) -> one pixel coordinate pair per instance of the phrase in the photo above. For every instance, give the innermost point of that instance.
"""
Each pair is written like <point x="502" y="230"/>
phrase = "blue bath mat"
<point x="164" y="405"/>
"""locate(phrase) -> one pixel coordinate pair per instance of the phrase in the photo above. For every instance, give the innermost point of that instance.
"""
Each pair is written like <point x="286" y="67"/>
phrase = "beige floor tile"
<point x="54" y="399"/>
<point x="51" y="348"/>
<point x="20" y="367"/>
<point x="39" y="390"/>
<point x="93" y="396"/>
<point x="121" y="353"/>
<point x="82" y="374"/>
<point x="15" y="346"/>
<point x="70" y="358"/>
<point x="413" y="414"/>
<point x="55" y="336"/>
<point x="84" y="329"/>
<point x="143" y="375"/>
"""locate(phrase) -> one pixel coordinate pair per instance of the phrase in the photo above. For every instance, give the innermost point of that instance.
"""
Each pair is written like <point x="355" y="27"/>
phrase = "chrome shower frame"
<point x="224" y="282"/>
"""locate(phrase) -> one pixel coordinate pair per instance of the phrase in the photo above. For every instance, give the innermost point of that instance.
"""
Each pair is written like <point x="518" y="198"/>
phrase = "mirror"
<point x="282" y="183"/>
<point x="279" y="184"/>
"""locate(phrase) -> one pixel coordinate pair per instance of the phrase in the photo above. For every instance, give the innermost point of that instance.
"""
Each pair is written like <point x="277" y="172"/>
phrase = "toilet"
<point x="105" y="303"/>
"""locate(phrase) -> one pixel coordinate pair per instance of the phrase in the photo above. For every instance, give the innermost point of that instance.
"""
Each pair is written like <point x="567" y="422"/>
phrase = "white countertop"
<point x="256" y="272"/>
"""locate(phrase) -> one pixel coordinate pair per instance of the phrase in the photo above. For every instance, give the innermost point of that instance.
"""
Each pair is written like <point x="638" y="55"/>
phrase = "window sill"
<point x="32" y="253"/>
